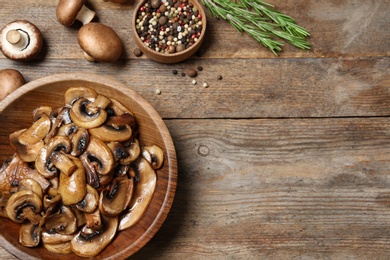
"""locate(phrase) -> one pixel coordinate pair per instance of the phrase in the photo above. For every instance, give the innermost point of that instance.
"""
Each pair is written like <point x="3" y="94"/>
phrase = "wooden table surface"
<point x="286" y="157"/>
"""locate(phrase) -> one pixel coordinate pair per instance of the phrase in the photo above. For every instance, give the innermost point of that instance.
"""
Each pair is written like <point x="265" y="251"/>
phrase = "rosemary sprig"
<point x="261" y="21"/>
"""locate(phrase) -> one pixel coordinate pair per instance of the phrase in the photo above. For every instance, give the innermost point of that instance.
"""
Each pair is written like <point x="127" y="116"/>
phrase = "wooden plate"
<point x="16" y="113"/>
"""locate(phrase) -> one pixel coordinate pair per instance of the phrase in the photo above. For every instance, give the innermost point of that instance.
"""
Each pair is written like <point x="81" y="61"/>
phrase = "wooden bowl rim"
<point x="177" y="56"/>
<point x="166" y="138"/>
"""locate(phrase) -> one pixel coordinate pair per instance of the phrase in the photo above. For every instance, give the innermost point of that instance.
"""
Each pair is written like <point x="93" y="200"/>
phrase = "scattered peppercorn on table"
<point x="279" y="157"/>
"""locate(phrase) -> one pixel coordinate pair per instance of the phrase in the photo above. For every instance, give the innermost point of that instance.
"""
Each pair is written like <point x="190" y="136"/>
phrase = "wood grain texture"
<point x="286" y="157"/>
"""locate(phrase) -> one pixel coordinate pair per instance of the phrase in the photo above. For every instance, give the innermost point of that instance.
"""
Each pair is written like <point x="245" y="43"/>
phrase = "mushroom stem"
<point x="88" y="57"/>
<point x="85" y="15"/>
<point x="18" y="38"/>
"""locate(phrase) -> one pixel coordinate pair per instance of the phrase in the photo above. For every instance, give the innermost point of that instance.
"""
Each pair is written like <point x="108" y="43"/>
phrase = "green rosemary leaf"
<point x="261" y="21"/>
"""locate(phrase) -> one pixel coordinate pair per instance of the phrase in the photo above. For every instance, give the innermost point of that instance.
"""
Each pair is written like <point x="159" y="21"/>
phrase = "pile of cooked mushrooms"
<point x="78" y="174"/>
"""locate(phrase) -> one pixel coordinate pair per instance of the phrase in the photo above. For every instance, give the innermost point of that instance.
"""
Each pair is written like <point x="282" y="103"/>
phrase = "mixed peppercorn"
<point x="168" y="26"/>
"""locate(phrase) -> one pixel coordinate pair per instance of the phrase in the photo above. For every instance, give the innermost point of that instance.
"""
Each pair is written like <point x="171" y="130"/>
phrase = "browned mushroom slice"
<point x="59" y="116"/>
<point x="63" y="221"/>
<point x="134" y="151"/>
<point x="29" y="234"/>
<point x="36" y="132"/>
<point x="23" y="205"/>
<point x="27" y="153"/>
<point x="108" y="132"/>
<point x="68" y="12"/>
<point x="75" y="93"/>
<point x="14" y="170"/>
<point x="61" y="248"/>
<point x="73" y="187"/>
<point x="118" y="150"/>
<point x="142" y="196"/>
<point x="154" y="155"/>
<point x="41" y="110"/>
<point x="89" y="243"/>
<point x="43" y="162"/>
<point x="98" y="151"/>
<point x="67" y="129"/>
<point x="89" y="114"/>
<point x="90" y="202"/>
<point x="31" y="184"/>
<point x="80" y="141"/>
<point x="49" y="237"/>
<point x="116" y="198"/>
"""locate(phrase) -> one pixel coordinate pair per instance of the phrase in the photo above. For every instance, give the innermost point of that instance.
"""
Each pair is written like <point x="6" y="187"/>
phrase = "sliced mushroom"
<point x="23" y="205"/>
<point x="43" y="162"/>
<point x="21" y="40"/>
<point x="154" y="155"/>
<point x="31" y="184"/>
<point x="60" y="248"/>
<point x="134" y="151"/>
<point x="59" y="117"/>
<point x="10" y="80"/>
<point x="142" y="196"/>
<point x="63" y="163"/>
<point x="50" y="237"/>
<point x="109" y="133"/>
<point x="67" y="129"/>
<point x="90" y="201"/>
<point x="63" y="221"/>
<point x="75" y="93"/>
<point x="37" y="132"/>
<point x="29" y="234"/>
<point x="73" y="187"/>
<point x="68" y="11"/>
<point x="41" y="110"/>
<point x="27" y="153"/>
<point x="14" y="170"/>
<point x="80" y="141"/>
<point x="116" y="198"/>
<point x="89" y="244"/>
<point x="98" y="151"/>
<point x="118" y="150"/>
<point x="89" y="114"/>
<point x="100" y="42"/>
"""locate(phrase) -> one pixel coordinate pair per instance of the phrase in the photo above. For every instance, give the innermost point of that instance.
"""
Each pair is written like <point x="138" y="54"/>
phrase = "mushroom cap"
<point x="35" y="41"/>
<point x="67" y="11"/>
<point x="10" y="80"/>
<point x="100" y="42"/>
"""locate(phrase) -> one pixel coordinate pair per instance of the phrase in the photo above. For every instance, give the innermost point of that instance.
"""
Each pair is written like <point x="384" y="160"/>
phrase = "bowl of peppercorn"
<point x="169" y="31"/>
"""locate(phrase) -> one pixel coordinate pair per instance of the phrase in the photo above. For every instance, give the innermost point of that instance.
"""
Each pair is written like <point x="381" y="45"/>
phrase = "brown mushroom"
<point x="142" y="196"/>
<point x="97" y="151"/>
<point x="114" y="129"/>
<point x="75" y="93"/>
<point x="21" y="40"/>
<point x="116" y="198"/>
<point x="154" y="155"/>
<point x="89" y="243"/>
<point x="23" y="205"/>
<point x="41" y="110"/>
<point x="89" y="114"/>
<point x="68" y="11"/>
<point x="73" y="187"/>
<point x="29" y="234"/>
<point x="58" y="248"/>
<point x="80" y="141"/>
<point x="50" y="158"/>
<point x="36" y="132"/>
<point x="63" y="221"/>
<point x="14" y="170"/>
<point x="27" y="153"/>
<point x="100" y="42"/>
<point x="90" y="201"/>
<point x="10" y="80"/>
<point x="31" y="184"/>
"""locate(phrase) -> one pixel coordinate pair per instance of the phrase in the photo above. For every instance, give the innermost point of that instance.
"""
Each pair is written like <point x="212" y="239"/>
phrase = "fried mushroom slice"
<point x="23" y="205"/>
<point x="90" y="202"/>
<point x="89" y="243"/>
<point x="89" y="114"/>
<point x="116" y="198"/>
<point x="44" y="162"/>
<point x="154" y="155"/>
<point x="142" y="196"/>
<point x="29" y="234"/>
<point x="27" y="152"/>
<point x="63" y="221"/>
<point x="73" y="188"/>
